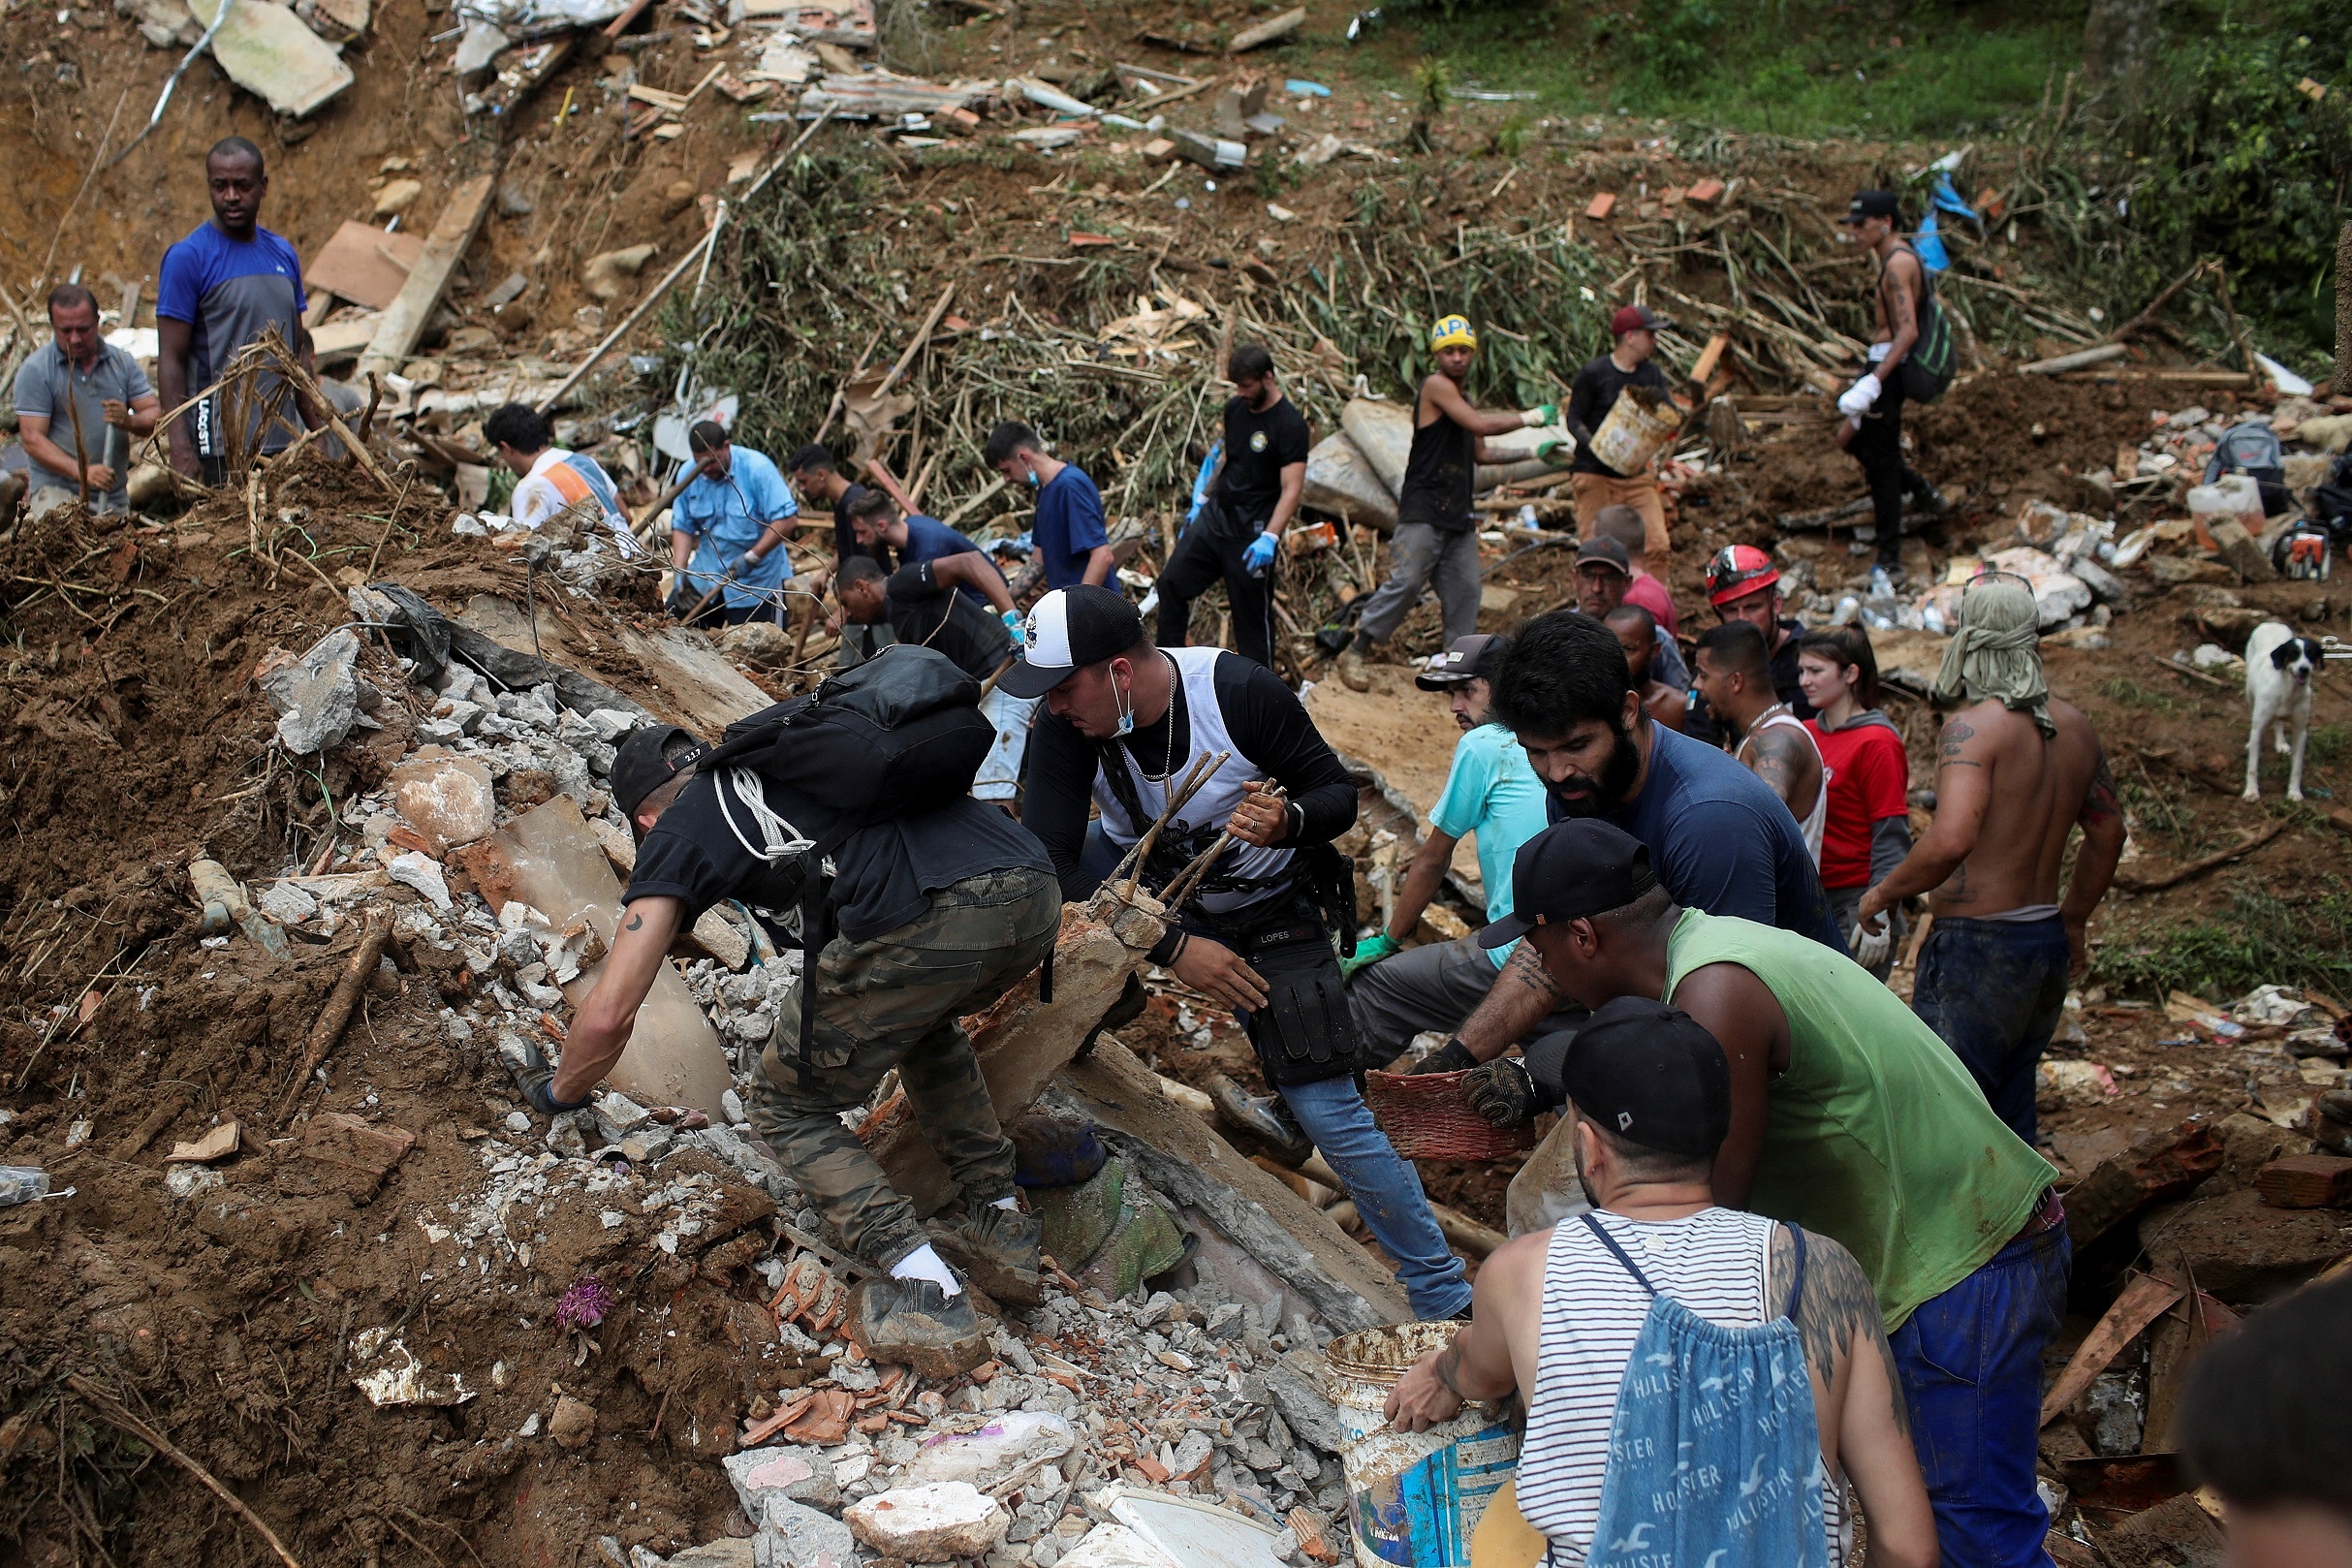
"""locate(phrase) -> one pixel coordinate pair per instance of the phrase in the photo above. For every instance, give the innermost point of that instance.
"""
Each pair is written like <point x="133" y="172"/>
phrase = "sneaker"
<point x="1928" y="501"/>
<point x="1267" y="1116"/>
<point x="1352" y="672"/>
<point x="996" y="1249"/>
<point x="914" y="1323"/>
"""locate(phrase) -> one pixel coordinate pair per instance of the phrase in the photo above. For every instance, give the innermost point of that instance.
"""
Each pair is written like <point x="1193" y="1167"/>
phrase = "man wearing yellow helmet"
<point x="1436" y="536"/>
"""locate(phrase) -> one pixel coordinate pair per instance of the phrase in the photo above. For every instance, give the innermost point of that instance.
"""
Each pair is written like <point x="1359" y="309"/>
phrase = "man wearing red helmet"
<point x="1590" y="397"/>
<point x="1743" y="584"/>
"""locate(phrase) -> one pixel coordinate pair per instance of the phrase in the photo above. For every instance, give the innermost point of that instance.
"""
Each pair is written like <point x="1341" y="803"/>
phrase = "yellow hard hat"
<point x="1452" y="332"/>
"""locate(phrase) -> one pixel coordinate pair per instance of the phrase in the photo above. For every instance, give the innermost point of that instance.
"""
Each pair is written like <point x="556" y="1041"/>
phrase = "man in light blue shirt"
<point x="1492" y="793"/>
<point x="727" y="532"/>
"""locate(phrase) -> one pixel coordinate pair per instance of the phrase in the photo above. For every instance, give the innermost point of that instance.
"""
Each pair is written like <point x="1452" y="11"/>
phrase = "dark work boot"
<point x="914" y="1323"/>
<point x="1268" y="1117"/>
<point x="996" y="1249"/>
<point x="1924" y="498"/>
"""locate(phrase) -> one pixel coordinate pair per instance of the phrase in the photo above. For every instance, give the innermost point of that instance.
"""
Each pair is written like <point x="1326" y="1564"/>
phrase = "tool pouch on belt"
<point x="1305" y="1032"/>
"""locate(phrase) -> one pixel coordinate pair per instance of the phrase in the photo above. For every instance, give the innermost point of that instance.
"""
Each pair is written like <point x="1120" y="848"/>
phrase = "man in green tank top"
<point x="1851" y="1117"/>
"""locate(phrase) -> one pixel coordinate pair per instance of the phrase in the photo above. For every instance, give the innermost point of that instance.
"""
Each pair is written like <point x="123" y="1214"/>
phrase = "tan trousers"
<point x="1593" y="492"/>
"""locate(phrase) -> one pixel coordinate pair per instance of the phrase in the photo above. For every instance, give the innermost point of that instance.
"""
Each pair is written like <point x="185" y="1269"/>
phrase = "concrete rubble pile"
<point x="1110" y="1388"/>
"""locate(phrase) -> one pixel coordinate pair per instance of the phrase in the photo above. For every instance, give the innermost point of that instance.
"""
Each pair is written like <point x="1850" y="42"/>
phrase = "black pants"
<point x="1211" y="549"/>
<point x="1878" y="446"/>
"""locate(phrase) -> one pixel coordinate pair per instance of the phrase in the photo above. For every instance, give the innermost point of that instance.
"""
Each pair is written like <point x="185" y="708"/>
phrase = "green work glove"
<point x="1369" y="951"/>
<point x="1555" y="450"/>
<point x="1541" y="415"/>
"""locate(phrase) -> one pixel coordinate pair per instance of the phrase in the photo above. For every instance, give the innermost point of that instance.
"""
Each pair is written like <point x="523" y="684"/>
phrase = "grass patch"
<point x="2328" y="744"/>
<point x="2131" y="694"/>
<point x="2262" y="939"/>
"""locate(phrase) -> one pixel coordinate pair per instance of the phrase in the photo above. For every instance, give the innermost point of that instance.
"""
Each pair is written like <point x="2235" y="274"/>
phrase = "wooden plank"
<point x="1266" y="31"/>
<point x="2161" y="1166"/>
<point x="363" y="265"/>
<point x="2143" y="1302"/>
<point x="403" y="321"/>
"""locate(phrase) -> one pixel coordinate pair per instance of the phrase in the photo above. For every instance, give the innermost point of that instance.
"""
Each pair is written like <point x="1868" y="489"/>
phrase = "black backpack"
<point x="1927" y="369"/>
<point x="900" y="734"/>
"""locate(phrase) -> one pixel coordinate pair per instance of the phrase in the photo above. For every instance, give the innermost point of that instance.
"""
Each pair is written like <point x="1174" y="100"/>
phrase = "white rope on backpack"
<point x="778" y="836"/>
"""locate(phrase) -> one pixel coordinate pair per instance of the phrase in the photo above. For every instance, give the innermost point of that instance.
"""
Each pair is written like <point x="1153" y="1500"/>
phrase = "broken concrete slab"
<point x="363" y="265"/>
<point x="930" y="1523"/>
<point x="449" y="800"/>
<point x="788" y="1473"/>
<point x="316" y="697"/>
<point x="266" y="50"/>
<point x="793" y="1535"/>
<point x="421" y="871"/>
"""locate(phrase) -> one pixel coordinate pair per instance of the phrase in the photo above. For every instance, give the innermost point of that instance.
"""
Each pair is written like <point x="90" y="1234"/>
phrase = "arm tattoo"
<point x="1957" y="736"/>
<point x="635" y="923"/>
<point x="1837" y="1305"/>
<point x="1448" y="1365"/>
<point x="2100" y="805"/>
<point x="1776" y="760"/>
<point x="1527" y="967"/>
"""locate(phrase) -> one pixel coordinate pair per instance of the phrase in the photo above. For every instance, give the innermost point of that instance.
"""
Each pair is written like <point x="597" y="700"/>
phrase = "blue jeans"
<point x="1387" y="1193"/>
<point x="1993" y="990"/>
<point x="1971" y="1365"/>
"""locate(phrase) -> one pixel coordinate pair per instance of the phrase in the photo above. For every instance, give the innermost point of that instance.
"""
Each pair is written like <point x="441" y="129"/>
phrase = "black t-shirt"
<point x="884" y="874"/>
<point x="845" y="533"/>
<point x="1268" y="725"/>
<point x="1258" y="446"/>
<point x="1590" y="397"/>
<point x="921" y="610"/>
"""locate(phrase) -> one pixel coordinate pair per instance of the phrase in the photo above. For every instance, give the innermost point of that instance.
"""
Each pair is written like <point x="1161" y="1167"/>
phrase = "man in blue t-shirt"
<point x="1718" y="837"/>
<point x="916" y="538"/>
<point x="1067" y="531"/>
<point x="1396" y="993"/>
<point x="219" y="290"/>
<point x="727" y="533"/>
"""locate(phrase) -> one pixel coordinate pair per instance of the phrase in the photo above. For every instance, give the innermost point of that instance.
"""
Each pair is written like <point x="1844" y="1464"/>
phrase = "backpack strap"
<point x="1797" y="1281"/>
<point x="1611" y="1243"/>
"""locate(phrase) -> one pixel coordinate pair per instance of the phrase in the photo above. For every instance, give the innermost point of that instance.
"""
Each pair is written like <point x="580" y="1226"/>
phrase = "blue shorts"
<point x="1993" y="990"/>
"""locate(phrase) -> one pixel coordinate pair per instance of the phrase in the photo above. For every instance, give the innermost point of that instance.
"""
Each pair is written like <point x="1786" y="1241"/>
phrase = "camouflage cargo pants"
<point x="894" y="1002"/>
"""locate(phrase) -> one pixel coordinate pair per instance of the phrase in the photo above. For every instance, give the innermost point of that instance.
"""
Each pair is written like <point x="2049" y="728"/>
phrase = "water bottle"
<point x="21" y="1184"/>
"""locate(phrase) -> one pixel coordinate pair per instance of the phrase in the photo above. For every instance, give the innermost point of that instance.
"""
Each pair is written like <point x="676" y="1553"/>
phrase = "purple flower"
<point x="584" y="1304"/>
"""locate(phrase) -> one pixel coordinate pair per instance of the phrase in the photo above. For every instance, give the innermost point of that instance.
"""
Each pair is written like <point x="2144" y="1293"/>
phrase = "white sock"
<point x="1012" y="1204"/>
<point x="926" y="1264"/>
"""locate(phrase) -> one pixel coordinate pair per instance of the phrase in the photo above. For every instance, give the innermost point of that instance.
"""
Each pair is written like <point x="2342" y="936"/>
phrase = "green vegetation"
<point x="2131" y="694"/>
<point x="2262" y="939"/>
<point x="2327" y="744"/>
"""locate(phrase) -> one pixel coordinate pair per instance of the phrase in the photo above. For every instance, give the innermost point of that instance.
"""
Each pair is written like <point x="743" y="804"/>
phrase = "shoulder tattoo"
<point x="1837" y="1305"/>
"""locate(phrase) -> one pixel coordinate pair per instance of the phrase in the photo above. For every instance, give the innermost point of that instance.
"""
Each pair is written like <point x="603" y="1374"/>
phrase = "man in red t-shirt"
<point x="1868" y="773"/>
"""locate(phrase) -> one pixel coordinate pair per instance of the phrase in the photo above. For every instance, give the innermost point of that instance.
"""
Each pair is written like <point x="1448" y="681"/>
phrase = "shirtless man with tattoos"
<point x="1735" y="677"/>
<point x="2017" y="772"/>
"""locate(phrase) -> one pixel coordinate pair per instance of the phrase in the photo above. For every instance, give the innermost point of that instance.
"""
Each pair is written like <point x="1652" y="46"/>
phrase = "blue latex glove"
<point x="1261" y="553"/>
<point x="1013" y="627"/>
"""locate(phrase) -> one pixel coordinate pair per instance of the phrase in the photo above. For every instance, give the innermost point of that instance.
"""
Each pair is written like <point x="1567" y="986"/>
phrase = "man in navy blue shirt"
<point x="1067" y="531"/>
<point x="915" y="537"/>
<point x="1718" y="837"/>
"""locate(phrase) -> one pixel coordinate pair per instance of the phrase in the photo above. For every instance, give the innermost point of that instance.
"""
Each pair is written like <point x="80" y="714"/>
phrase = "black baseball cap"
<point x="1069" y="629"/>
<point x="638" y="768"/>
<point x="1469" y="658"/>
<point x="1571" y="870"/>
<point x="1606" y="550"/>
<point x="1653" y="1076"/>
<point x="1872" y="204"/>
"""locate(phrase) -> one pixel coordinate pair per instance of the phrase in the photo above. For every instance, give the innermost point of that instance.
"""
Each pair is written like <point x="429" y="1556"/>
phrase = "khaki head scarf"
<point x="1997" y="652"/>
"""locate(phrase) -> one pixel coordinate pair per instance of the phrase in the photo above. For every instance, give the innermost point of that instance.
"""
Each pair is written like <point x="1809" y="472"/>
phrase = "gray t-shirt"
<point x="44" y="383"/>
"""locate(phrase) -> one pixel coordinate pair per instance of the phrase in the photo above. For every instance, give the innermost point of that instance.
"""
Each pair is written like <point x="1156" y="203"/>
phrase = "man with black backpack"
<point x="935" y="905"/>
<point x="1126" y="724"/>
<point x="1911" y="360"/>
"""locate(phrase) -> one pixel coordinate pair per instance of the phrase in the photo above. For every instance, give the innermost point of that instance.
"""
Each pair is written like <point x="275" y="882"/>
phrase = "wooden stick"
<point x="2180" y="874"/>
<point x="2157" y="303"/>
<point x="339" y="1003"/>
<point x="113" y="1414"/>
<point x="2191" y="671"/>
<point x="2144" y="1301"/>
<point x="1919" y="939"/>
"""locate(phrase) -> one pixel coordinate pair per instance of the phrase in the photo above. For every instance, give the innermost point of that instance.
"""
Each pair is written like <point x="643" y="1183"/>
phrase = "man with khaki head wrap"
<point x="2015" y="772"/>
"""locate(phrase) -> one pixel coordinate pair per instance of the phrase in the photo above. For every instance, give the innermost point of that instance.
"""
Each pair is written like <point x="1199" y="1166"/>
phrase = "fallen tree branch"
<point x="111" y="1411"/>
<point x="2180" y="874"/>
<point x="339" y="1002"/>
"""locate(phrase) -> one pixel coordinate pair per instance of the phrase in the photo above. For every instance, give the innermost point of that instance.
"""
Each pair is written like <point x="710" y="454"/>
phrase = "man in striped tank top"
<point x="1627" y="1330"/>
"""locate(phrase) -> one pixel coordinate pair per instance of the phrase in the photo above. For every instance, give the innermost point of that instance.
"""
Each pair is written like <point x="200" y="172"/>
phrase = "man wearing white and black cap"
<point x="1396" y="993"/>
<point x="935" y="913"/>
<point x="1124" y="726"/>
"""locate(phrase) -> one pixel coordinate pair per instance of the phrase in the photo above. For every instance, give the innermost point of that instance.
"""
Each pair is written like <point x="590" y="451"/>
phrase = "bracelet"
<point x="1183" y="941"/>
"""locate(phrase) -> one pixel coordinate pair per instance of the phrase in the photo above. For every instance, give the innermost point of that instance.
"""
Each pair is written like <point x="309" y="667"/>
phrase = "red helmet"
<point x="1737" y="571"/>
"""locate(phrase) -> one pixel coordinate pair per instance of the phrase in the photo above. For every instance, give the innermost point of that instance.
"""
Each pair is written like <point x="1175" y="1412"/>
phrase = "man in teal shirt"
<point x="727" y="532"/>
<point x="1396" y="993"/>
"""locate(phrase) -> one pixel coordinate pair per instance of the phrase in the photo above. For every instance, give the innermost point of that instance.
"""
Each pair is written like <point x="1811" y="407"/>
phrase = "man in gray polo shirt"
<point x="81" y="402"/>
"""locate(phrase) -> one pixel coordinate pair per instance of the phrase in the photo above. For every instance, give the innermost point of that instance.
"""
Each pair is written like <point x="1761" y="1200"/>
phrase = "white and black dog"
<point x="2279" y="668"/>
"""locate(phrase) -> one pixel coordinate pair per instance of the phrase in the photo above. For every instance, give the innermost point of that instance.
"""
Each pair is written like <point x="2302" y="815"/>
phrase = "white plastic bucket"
<point x="1413" y="1498"/>
<point x="1635" y="429"/>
